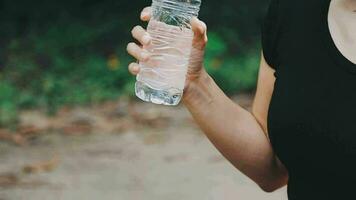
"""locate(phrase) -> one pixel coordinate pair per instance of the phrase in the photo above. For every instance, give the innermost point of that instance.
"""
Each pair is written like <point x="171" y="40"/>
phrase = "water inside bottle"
<point x="162" y="78"/>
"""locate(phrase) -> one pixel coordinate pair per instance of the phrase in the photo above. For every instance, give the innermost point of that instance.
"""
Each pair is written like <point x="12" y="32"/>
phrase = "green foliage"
<point x="56" y="53"/>
<point x="8" y="107"/>
<point x="232" y="74"/>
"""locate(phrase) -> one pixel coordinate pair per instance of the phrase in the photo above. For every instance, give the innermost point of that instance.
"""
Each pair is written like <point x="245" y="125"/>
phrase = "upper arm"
<point x="271" y="33"/>
<point x="265" y="86"/>
<point x="263" y="96"/>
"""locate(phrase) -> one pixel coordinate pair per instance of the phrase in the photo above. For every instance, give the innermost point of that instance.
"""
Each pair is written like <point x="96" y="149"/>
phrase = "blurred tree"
<point x="73" y="51"/>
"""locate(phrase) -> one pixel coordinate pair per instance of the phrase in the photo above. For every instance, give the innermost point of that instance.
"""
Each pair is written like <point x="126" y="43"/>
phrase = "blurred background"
<point x="70" y="126"/>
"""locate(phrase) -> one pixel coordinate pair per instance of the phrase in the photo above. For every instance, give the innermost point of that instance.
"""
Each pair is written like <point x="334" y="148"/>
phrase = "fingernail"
<point x="144" y="14"/>
<point x="135" y="69"/>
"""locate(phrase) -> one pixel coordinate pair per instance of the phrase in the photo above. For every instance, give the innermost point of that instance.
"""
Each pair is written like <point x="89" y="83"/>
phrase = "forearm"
<point x="233" y="130"/>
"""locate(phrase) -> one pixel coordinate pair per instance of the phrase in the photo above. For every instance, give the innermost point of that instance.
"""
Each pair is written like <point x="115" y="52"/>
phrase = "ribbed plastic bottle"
<point x="162" y="77"/>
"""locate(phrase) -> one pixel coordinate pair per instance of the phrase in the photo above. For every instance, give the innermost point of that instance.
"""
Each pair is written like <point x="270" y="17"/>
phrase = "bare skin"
<point x="239" y="135"/>
<point x="342" y="24"/>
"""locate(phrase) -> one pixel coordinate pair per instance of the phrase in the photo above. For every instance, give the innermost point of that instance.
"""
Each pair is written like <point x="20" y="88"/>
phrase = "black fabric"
<point x="312" y="114"/>
<point x="270" y="32"/>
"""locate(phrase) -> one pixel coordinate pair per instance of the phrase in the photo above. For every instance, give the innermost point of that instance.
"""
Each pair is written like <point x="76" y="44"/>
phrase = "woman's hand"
<point x="195" y="68"/>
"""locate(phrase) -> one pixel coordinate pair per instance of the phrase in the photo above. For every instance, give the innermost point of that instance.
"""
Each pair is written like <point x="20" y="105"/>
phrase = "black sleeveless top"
<point x="312" y="115"/>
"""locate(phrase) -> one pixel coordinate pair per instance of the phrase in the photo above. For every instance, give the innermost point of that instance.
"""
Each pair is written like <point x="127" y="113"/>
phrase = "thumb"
<point x="200" y="33"/>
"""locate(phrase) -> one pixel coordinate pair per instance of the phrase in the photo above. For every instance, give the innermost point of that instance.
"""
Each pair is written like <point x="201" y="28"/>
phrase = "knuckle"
<point x="135" y="29"/>
<point x="128" y="47"/>
<point x="205" y="27"/>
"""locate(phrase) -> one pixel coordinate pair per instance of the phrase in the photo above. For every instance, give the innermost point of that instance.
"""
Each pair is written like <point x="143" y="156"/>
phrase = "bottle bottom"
<point x="169" y="97"/>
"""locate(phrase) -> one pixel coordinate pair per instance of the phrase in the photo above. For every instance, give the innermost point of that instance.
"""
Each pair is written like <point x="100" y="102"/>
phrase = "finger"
<point x="134" y="68"/>
<point x="141" y="35"/>
<point x="200" y="32"/>
<point x="146" y="14"/>
<point x="137" y="52"/>
<point x="199" y="27"/>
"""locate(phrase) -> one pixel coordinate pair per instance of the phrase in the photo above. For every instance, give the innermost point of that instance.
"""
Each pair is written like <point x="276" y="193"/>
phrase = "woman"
<point x="301" y="130"/>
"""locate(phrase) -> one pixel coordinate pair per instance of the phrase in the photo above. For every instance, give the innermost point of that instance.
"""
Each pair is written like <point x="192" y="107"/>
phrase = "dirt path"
<point x="147" y="161"/>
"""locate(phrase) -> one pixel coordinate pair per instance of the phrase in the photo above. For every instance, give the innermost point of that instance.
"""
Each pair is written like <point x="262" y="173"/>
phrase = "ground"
<point x="120" y="151"/>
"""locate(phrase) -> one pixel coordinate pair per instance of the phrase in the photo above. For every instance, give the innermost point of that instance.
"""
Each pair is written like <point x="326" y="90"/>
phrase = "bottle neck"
<point x="189" y="8"/>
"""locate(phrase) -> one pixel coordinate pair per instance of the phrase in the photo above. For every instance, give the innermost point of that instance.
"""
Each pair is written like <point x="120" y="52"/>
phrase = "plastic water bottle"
<point x="162" y="77"/>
